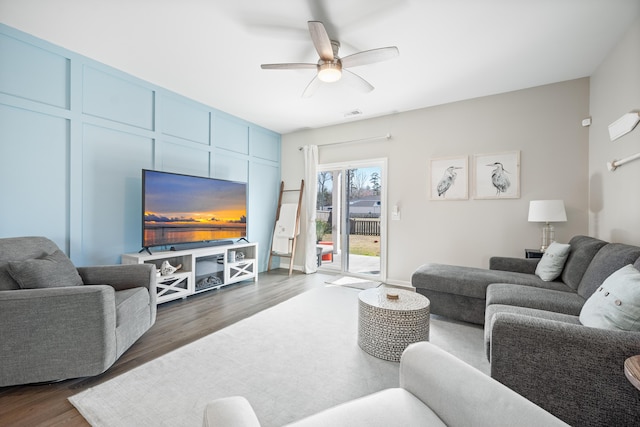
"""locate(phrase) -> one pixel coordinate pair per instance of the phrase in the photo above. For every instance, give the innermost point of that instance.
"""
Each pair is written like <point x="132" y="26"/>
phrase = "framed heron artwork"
<point x="449" y="178"/>
<point x="496" y="175"/>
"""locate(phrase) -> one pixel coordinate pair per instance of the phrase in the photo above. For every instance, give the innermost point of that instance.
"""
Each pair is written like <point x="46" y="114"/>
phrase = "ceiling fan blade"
<point x="355" y="81"/>
<point x="370" y="56"/>
<point x="311" y="88"/>
<point x="289" y="66"/>
<point x="321" y="40"/>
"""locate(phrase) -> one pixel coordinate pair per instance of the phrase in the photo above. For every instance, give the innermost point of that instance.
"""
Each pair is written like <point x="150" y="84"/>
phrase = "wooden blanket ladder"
<point x="293" y="240"/>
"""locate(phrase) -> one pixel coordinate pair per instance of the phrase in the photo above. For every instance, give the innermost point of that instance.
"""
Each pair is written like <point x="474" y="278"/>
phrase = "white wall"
<point x="544" y="123"/>
<point x="614" y="206"/>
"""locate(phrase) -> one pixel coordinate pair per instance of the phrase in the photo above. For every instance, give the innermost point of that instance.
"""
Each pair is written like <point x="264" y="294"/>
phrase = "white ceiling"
<point x="450" y="50"/>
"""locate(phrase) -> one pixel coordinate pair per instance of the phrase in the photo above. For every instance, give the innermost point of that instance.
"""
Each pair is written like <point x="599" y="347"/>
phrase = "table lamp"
<point x="547" y="211"/>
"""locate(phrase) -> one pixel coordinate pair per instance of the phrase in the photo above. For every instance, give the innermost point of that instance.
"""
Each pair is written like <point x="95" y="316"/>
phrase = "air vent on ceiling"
<point x="353" y="113"/>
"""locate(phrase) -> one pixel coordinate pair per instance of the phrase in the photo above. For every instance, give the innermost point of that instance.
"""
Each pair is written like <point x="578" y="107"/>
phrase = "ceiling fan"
<point x="330" y="67"/>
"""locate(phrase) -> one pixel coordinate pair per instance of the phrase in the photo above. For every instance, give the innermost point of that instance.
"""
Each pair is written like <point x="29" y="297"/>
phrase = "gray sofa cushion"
<point x="49" y="271"/>
<point x="129" y="302"/>
<point x="583" y="249"/>
<point x="492" y="310"/>
<point x="517" y="265"/>
<point x="472" y="281"/>
<point x="132" y="317"/>
<point x="609" y="259"/>
<point x="542" y="299"/>
<point x="20" y="249"/>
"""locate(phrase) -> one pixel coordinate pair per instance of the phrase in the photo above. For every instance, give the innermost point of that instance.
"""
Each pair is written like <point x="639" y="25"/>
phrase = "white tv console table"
<point x="203" y="269"/>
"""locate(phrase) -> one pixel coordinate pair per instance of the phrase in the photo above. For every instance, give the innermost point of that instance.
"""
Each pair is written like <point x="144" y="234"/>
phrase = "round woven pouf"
<point x="391" y="319"/>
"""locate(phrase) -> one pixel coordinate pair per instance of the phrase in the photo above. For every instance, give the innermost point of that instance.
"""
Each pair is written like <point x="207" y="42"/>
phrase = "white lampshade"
<point x="547" y="211"/>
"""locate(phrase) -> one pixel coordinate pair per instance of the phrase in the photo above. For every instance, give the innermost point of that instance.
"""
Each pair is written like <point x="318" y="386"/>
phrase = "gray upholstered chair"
<point x="58" y="321"/>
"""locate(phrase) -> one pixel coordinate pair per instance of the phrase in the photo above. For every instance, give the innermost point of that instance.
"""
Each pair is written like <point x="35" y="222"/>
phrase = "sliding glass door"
<point x="350" y="218"/>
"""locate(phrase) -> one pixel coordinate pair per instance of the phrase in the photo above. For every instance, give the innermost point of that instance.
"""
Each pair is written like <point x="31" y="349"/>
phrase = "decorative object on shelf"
<point x="497" y="175"/>
<point x="239" y="256"/>
<point x="166" y="268"/>
<point x="208" y="282"/>
<point x="232" y="256"/>
<point x="449" y="178"/>
<point x="547" y="211"/>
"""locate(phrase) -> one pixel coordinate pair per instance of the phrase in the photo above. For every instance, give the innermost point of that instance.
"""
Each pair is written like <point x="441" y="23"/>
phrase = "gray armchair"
<point x="50" y="331"/>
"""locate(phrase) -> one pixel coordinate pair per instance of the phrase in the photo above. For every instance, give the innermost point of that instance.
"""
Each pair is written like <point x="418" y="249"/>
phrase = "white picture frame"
<point x="449" y="178"/>
<point x="496" y="175"/>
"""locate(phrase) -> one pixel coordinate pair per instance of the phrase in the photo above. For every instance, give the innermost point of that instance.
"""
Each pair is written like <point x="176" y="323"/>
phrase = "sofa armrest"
<point x="573" y="371"/>
<point x="120" y="277"/>
<point x="42" y="327"/>
<point x="461" y="395"/>
<point x="235" y="411"/>
<point x="517" y="265"/>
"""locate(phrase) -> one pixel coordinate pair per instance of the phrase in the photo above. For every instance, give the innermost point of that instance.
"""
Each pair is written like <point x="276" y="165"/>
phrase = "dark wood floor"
<point x="178" y="323"/>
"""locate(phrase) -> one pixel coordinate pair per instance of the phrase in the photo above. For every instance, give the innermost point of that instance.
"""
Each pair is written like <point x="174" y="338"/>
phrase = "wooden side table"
<point x="632" y="370"/>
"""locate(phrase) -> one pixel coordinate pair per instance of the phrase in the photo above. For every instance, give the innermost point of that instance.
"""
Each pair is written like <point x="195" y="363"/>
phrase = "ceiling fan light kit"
<point x="330" y="72"/>
<point x="329" y="68"/>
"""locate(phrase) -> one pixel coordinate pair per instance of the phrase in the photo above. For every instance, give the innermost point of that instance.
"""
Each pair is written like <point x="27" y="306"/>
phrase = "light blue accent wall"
<point x="112" y="98"/>
<point x="34" y="149"/>
<point x="184" y="119"/>
<point x="231" y="167"/>
<point x="33" y="73"/>
<point x="230" y="133"/>
<point x="111" y="210"/>
<point x="266" y="145"/>
<point x="75" y="135"/>
<point x="263" y="203"/>
<point x="179" y="158"/>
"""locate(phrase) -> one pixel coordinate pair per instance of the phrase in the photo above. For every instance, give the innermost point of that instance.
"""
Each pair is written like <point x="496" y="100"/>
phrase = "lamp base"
<point x="548" y="236"/>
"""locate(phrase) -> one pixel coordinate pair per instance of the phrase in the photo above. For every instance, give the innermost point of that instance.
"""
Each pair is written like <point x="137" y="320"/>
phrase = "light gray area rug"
<point x="289" y="361"/>
<point x="354" y="282"/>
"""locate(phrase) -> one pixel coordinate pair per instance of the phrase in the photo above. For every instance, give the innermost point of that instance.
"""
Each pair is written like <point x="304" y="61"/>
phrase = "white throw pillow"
<point x="552" y="262"/>
<point x="616" y="303"/>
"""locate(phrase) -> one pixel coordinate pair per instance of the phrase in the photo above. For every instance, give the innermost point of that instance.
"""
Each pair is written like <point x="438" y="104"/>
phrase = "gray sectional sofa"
<point x="460" y="292"/>
<point x="534" y="339"/>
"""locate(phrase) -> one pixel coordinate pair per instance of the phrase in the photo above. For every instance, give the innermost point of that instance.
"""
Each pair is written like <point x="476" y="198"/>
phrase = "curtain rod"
<point x="351" y="141"/>
<point x="613" y="165"/>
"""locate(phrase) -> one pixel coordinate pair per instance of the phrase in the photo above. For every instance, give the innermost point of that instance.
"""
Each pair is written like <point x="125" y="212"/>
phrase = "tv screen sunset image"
<point x="183" y="208"/>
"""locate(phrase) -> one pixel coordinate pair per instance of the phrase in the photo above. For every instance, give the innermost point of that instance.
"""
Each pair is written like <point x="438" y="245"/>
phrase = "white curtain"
<point x="310" y="194"/>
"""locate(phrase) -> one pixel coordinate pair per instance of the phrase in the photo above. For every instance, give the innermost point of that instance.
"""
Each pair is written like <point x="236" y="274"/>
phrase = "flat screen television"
<point x="186" y="209"/>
